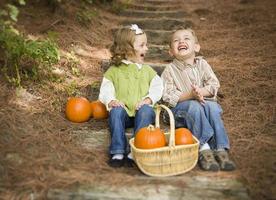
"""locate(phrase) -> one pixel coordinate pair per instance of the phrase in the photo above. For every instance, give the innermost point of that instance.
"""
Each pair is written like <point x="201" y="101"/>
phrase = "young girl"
<point x="190" y="88"/>
<point x="129" y="90"/>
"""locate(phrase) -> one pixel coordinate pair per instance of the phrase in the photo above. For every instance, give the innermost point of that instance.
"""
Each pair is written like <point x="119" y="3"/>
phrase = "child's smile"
<point x="183" y="45"/>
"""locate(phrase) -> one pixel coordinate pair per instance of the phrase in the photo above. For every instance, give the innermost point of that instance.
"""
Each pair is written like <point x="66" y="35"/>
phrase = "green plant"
<point x="26" y="58"/>
<point x="96" y="85"/>
<point x="85" y="16"/>
<point x="119" y="7"/>
<point x="73" y="63"/>
<point x="23" y="58"/>
<point x="72" y="89"/>
<point x="53" y="35"/>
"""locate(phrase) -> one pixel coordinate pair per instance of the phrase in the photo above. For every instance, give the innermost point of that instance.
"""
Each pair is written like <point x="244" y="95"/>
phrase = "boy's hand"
<point x="198" y="94"/>
<point x="143" y="102"/>
<point x="115" y="103"/>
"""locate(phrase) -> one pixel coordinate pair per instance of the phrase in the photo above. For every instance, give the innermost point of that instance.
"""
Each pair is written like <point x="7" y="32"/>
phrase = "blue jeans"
<point x="119" y="121"/>
<point x="204" y="121"/>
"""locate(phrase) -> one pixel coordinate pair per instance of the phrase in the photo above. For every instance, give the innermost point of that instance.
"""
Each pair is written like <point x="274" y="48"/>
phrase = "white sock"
<point x="204" y="147"/>
<point x="130" y="156"/>
<point x="220" y="149"/>
<point x="118" y="156"/>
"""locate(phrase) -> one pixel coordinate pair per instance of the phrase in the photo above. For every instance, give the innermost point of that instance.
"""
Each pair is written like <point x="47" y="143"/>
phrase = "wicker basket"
<point x="169" y="160"/>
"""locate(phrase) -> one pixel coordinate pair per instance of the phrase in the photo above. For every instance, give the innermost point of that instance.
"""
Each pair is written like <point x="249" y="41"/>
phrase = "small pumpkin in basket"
<point x="183" y="136"/>
<point x="150" y="138"/>
<point x="78" y="109"/>
<point x="98" y="110"/>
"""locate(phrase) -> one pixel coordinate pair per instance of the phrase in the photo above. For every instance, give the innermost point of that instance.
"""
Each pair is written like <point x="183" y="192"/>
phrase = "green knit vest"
<point x="131" y="84"/>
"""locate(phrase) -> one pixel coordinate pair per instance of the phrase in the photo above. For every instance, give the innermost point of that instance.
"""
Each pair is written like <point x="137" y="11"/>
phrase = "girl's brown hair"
<point x="122" y="46"/>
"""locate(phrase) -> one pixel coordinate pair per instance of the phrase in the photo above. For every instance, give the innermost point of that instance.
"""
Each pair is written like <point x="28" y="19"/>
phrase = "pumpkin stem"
<point x="151" y="127"/>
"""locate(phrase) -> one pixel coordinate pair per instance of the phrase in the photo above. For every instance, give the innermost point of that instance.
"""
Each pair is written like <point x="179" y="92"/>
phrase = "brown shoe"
<point x="207" y="161"/>
<point x="224" y="161"/>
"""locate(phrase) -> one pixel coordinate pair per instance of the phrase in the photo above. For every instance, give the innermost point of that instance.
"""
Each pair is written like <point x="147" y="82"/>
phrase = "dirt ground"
<point x="38" y="147"/>
<point x="238" y="39"/>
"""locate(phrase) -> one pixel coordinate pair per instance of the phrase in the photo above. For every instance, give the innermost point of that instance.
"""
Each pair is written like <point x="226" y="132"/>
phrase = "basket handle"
<point x="172" y="125"/>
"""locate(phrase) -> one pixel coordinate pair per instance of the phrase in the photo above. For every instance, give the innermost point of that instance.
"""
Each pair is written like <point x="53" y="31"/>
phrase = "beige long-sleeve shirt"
<point x="178" y="78"/>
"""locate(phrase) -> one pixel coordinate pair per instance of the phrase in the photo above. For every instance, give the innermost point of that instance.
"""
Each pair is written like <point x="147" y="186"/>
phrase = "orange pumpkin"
<point x="78" y="109"/>
<point x="98" y="110"/>
<point x="183" y="136"/>
<point x="149" y="138"/>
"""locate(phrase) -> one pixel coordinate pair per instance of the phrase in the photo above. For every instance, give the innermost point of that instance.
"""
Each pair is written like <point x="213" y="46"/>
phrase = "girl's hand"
<point x="198" y="94"/>
<point x="143" y="102"/>
<point x="115" y="103"/>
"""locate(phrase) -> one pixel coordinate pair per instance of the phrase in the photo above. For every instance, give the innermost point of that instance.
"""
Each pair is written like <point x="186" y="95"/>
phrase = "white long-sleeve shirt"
<point x="107" y="89"/>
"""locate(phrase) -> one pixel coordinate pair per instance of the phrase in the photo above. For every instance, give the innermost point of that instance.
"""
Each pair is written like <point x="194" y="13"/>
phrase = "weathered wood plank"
<point x="190" y="187"/>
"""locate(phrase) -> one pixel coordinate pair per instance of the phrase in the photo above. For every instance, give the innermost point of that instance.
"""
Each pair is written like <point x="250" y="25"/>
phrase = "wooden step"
<point x="158" y="2"/>
<point x="147" y="7"/>
<point x="154" y="14"/>
<point x="158" y="53"/>
<point x="146" y="188"/>
<point x="159" y="24"/>
<point x="158" y="37"/>
<point x="195" y="184"/>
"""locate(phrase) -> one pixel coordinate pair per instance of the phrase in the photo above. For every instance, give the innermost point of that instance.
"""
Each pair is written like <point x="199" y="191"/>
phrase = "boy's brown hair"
<point x="183" y="29"/>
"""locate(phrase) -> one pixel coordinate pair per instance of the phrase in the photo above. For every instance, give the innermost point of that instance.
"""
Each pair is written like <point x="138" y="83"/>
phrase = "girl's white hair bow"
<point x="134" y="27"/>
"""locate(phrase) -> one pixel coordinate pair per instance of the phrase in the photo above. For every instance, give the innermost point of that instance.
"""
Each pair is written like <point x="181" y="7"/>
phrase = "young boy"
<point x="190" y="89"/>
